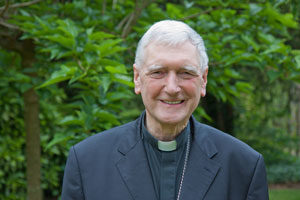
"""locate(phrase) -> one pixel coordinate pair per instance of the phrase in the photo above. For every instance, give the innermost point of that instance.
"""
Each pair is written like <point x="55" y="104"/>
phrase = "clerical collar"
<point x="179" y="141"/>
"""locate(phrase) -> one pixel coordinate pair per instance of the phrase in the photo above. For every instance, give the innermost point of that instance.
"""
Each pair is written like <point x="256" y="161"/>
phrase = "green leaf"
<point x="228" y="38"/>
<point x="58" y="138"/>
<point x="243" y="87"/>
<point x="113" y="50"/>
<point x="42" y="23"/>
<point x="266" y="38"/>
<point x="68" y="27"/>
<point x="131" y="113"/>
<point x="109" y="62"/>
<point x="273" y="75"/>
<point x="28" y="26"/>
<point x="174" y="11"/>
<point x="24" y="13"/>
<point x="78" y="75"/>
<point x="98" y="36"/>
<point x="287" y="20"/>
<point x="116" y="96"/>
<point x="89" y="31"/>
<point x="232" y="73"/>
<point x="71" y="120"/>
<point x="202" y="113"/>
<point x="297" y="59"/>
<point x="106" y="82"/>
<point x="106" y="116"/>
<point x="121" y="69"/>
<point x="222" y="95"/>
<point x="54" y="53"/>
<point x="255" y="8"/>
<point x="276" y="47"/>
<point x="64" y="41"/>
<point x="232" y="90"/>
<point x="127" y="80"/>
<point x="105" y="48"/>
<point x="63" y="74"/>
<point x="251" y="42"/>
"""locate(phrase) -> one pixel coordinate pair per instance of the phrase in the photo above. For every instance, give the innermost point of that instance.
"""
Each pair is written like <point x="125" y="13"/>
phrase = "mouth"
<point x="172" y="102"/>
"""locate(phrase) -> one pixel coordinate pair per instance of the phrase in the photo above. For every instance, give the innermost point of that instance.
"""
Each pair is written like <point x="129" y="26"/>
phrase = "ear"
<point x="204" y="82"/>
<point x="136" y="79"/>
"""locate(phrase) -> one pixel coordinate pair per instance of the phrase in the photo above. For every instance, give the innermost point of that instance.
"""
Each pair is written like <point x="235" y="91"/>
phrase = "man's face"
<point x="170" y="82"/>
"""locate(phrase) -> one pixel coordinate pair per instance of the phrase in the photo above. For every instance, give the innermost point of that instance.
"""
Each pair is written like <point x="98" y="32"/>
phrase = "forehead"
<point x="184" y="54"/>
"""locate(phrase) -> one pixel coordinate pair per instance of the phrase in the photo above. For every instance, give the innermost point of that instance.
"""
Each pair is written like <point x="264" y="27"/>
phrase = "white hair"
<point x="171" y="33"/>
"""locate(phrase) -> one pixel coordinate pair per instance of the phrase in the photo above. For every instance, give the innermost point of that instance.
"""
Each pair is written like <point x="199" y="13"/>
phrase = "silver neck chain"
<point x="184" y="166"/>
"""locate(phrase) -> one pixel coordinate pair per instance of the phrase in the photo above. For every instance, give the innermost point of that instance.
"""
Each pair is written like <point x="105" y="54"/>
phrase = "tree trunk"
<point x="32" y="127"/>
<point x="33" y="150"/>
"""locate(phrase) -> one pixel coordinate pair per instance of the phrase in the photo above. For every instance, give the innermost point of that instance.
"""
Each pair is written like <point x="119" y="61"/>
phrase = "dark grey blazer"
<point x="112" y="165"/>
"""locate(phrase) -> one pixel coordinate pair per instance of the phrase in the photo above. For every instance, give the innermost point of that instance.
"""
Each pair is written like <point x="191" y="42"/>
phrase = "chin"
<point x="173" y="120"/>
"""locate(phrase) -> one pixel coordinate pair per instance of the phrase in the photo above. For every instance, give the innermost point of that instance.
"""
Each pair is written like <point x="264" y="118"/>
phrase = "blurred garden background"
<point x="66" y="74"/>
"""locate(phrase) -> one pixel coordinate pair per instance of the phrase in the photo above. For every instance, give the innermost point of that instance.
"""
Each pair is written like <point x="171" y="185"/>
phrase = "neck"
<point x="164" y="132"/>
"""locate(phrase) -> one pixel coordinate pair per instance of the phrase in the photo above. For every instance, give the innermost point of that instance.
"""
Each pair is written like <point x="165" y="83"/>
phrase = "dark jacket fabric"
<point x="113" y="165"/>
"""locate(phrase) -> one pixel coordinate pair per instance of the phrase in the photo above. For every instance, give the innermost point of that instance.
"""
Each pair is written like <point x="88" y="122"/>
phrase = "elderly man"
<point x="166" y="154"/>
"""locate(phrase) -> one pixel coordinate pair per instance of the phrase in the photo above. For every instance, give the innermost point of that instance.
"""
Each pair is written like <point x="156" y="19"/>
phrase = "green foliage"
<point x="284" y="173"/>
<point x="12" y="162"/>
<point x="82" y="84"/>
<point x="86" y="61"/>
<point x="262" y="121"/>
<point x="84" y="76"/>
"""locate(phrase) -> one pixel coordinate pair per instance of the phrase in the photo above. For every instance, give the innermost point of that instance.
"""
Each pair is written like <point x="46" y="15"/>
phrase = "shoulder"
<point x="107" y="140"/>
<point x="226" y="145"/>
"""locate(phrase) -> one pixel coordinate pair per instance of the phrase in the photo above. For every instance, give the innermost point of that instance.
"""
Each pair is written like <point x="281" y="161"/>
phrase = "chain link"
<point x="184" y="166"/>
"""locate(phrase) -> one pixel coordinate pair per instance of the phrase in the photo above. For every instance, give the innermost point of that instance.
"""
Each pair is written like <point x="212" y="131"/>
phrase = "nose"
<point x="172" y="84"/>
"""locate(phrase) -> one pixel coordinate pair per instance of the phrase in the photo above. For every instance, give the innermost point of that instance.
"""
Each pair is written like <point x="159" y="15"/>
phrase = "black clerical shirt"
<point x="166" y="166"/>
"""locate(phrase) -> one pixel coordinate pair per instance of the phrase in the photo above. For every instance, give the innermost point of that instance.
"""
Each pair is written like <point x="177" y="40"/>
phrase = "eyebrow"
<point x="190" y="68"/>
<point x="154" y="67"/>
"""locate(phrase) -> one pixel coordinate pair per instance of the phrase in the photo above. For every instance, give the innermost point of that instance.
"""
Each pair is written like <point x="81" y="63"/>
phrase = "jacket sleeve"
<point x="258" y="189"/>
<point x="72" y="183"/>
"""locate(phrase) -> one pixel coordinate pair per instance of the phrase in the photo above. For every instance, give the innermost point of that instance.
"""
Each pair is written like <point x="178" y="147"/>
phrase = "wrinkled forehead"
<point x="169" y="47"/>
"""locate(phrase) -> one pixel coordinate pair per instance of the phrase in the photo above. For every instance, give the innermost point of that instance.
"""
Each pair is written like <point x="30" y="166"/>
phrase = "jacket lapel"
<point x="201" y="169"/>
<point x="134" y="168"/>
<point x="200" y="174"/>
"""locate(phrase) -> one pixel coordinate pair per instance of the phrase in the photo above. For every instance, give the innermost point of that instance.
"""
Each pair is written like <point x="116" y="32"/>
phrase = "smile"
<point x="172" y="102"/>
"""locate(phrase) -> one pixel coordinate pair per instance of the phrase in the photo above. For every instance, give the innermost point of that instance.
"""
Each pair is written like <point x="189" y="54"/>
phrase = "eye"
<point x="186" y="75"/>
<point x="157" y="74"/>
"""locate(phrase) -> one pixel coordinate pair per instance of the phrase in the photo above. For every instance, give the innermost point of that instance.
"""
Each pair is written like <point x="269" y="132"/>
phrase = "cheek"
<point x="192" y="89"/>
<point x="151" y="88"/>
